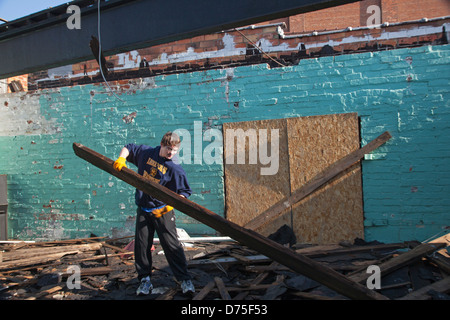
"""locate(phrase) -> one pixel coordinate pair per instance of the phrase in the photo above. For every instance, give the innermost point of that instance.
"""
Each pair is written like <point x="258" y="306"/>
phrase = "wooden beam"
<point x="43" y="251"/>
<point x="222" y="289"/>
<point x="441" y="286"/>
<point x="205" y="290"/>
<point x="35" y="257"/>
<point x="256" y="281"/>
<point x="314" y="184"/>
<point x="45" y="292"/>
<point x="254" y="240"/>
<point x="168" y="295"/>
<point x="401" y="260"/>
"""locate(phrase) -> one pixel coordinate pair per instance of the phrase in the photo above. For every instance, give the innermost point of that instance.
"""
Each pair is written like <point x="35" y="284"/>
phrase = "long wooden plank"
<point x="35" y="260"/>
<point x="401" y="260"/>
<point x="222" y="289"/>
<point x="42" y="251"/>
<point x="318" y="181"/>
<point x="277" y="252"/>
<point x="205" y="290"/>
<point x="441" y="286"/>
<point x="256" y="281"/>
<point x="46" y="256"/>
<point x="45" y="292"/>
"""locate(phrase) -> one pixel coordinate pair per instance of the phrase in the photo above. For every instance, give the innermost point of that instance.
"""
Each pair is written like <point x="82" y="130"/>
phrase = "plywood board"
<point x="307" y="145"/>
<point x="335" y="212"/>
<point x="248" y="192"/>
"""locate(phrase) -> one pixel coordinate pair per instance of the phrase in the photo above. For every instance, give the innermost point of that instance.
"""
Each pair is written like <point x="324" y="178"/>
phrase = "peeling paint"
<point x="268" y="46"/>
<point x="23" y="116"/>
<point x="229" y="49"/>
<point x="129" y="60"/>
<point x="226" y="82"/>
<point x="61" y="216"/>
<point x="130" y="117"/>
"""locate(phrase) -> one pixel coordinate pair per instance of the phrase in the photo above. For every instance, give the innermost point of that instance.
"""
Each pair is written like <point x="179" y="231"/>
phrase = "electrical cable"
<point x="100" y="52"/>
<point x="258" y="48"/>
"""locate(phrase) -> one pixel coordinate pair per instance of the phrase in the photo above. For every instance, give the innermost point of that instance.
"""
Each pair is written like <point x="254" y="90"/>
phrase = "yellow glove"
<point x="160" y="211"/>
<point x="120" y="163"/>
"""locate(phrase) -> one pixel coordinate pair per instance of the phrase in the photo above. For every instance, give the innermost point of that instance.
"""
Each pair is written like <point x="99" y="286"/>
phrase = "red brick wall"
<point x="403" y="10"/>
<point x="355" y="14"/>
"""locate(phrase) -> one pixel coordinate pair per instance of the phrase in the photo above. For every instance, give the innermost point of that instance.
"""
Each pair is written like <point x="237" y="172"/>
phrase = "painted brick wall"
<point x="54" y="194"/>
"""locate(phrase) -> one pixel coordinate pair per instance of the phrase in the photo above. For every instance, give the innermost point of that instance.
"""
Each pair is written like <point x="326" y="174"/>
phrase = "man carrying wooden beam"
<point x="153" y="215"/>
<point x="252" y="239"/>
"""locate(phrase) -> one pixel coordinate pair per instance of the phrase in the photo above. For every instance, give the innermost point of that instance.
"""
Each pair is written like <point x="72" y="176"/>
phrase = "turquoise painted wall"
<point x="53" y="194"/>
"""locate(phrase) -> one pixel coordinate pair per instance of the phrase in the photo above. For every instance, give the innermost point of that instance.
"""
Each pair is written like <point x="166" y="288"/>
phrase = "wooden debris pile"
<point x="221" y="271"/>
<point x="254" y="240"/>
<point x="49" y="270"/>
<point x="408" y="271"/>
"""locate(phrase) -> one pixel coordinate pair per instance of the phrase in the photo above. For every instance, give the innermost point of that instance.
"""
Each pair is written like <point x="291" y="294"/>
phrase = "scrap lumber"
<point x="443" y="239"/>
<point x="276" y="289"/>
<point x="318" y="252"/>
<point x="314" y="184"/>
<point x="441" y="286"/>
<point x="441" y="261"/>
<point x="46" y="292"/>
<point x="42" y="251"/>
<point x="222" y="289"/>
<point x="303" y="265"/>
<point x="168" y="294"/>
<point x="311" y="252"/>
<point x="228" y="260"/>
<point x="91" y="271"/>
<point x="441" y="258"/>
<point x="401" y="260"/>
<point x="34" y="261"/>
<point x="205" y="290"/>
<point x="41" y="255"/>
<point x="255" y="281"/>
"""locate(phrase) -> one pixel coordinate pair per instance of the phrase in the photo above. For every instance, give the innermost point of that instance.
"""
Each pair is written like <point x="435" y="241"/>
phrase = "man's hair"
<point x="170" y="139"/>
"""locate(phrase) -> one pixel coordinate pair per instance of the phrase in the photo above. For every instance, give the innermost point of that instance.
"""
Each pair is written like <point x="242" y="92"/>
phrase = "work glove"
<point x="120" y="163"/>
<point x="158" y="212"/>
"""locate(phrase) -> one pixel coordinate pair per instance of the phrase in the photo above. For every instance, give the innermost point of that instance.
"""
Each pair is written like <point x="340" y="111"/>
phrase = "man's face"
<point x="168" y="151"/>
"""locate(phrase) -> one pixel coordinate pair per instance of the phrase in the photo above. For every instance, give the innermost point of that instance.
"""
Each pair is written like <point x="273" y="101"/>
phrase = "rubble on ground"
<point x="220" y="270"/>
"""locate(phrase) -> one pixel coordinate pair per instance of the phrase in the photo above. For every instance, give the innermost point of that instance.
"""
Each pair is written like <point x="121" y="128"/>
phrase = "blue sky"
<point x="14" y="9"/>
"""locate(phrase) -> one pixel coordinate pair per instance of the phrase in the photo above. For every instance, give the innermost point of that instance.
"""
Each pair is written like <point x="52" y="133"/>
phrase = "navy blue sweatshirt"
<point x="158" y="169"/>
